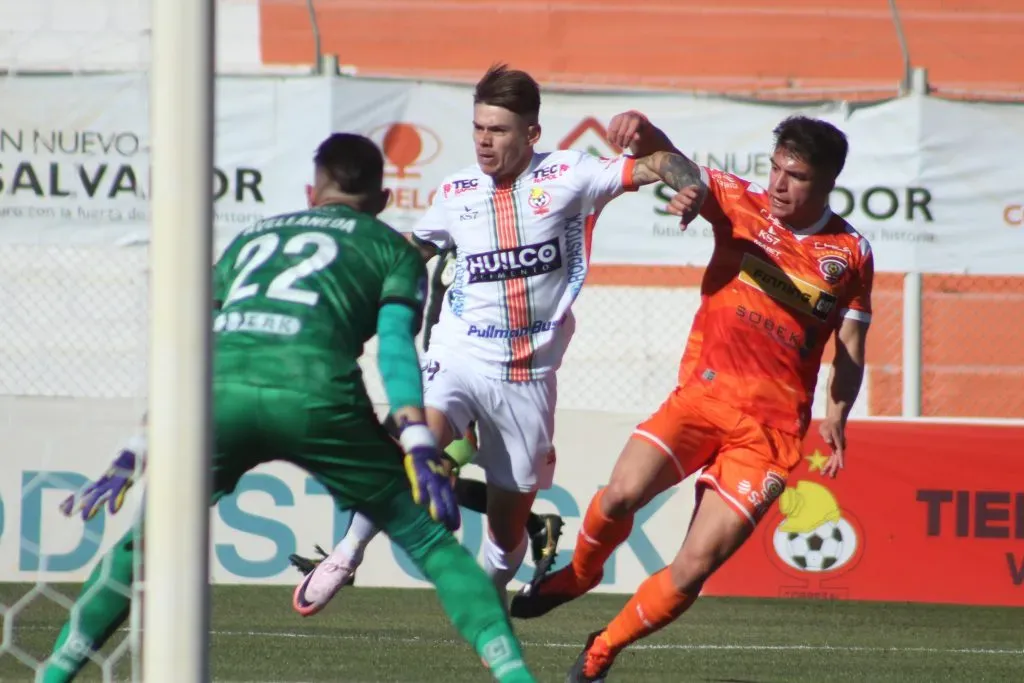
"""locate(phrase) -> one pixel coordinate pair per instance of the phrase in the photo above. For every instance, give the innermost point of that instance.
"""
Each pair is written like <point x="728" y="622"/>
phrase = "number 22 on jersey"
<point x="284" y="287"/>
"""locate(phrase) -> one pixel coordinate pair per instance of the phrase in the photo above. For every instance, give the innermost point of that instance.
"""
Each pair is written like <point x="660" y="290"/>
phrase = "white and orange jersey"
<point x="523" y="250"/>
<point x="771" y="298"/>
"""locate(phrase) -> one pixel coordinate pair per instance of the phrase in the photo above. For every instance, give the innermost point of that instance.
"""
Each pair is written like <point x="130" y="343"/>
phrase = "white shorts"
<point x="515" y="420"/>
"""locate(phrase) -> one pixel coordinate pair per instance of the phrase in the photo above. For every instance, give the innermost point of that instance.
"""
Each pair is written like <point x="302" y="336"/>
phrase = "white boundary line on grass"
<point x="642" y="646"/>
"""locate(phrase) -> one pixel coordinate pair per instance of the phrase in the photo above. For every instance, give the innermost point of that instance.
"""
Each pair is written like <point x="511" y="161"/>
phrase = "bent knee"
<point x="692" y="567"/>
<point x="623" y="496"/>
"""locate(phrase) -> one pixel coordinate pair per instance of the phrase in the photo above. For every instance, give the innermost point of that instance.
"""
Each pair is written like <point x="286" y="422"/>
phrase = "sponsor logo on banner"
<point x="408" y="149"/>
<point x="812" y="538"/>
<point x="278" y="509"/>
<point x="517" y="262"/>
<point x="992" y="514"/>
<point x="799" y="295"/>
<point x="880" y="203"/>
<point x="899" y="519"/>
<point x="874" y="207"/>
<point x="100" y="176"/>
<point x="1013" y="215"/>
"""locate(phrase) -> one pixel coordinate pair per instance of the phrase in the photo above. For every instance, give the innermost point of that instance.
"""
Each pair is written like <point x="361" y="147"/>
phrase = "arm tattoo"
<point x="675" y="170"/>
<point x="678" y="171"/>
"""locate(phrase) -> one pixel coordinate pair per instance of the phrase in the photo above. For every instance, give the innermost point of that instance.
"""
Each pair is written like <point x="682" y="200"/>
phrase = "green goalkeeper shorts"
<point x="347" y="451"/>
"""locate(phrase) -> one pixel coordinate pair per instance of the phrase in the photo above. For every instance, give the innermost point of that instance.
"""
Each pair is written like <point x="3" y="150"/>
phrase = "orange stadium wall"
<point x="847" y="48"/>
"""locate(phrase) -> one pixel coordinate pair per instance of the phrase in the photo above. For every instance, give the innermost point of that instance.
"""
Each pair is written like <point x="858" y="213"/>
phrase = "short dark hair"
<point x="509" y="89"/>
<point x="353" y="162"/>
<point x="819" y="143"/>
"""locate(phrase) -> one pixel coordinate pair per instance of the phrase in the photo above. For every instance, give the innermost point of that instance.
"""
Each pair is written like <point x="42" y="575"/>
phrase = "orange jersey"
<point x="770" y="299"/>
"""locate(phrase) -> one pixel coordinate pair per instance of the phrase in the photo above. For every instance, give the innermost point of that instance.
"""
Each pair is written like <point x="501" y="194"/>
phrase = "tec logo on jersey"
<point x="457" y="187"/>
<point x="551" y="172"/>
<point x="539" y="201"/>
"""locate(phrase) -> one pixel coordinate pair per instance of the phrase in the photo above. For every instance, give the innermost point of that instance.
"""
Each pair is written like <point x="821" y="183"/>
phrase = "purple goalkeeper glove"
<point x="432" y="486"/>
<point x="111" y="488"/>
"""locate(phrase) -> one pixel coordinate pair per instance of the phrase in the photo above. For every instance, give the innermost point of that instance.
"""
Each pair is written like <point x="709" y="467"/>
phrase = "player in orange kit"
<point x="786" y="274"/>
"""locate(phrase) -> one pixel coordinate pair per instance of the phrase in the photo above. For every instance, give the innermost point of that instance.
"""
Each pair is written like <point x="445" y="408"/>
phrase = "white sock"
<point x="139" y="445"/>
<point x="502" y="566"/>
<point x="360" y="532"/>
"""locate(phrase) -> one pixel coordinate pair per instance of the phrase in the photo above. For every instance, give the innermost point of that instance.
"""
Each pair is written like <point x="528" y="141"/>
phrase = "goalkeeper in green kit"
<point x="298" y="296"/>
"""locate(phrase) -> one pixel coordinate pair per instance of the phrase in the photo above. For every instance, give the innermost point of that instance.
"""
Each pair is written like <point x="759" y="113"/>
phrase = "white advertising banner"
<point x="935" y="185"/>
<point x="74" y="154"/>
<point x="55" y="446"/>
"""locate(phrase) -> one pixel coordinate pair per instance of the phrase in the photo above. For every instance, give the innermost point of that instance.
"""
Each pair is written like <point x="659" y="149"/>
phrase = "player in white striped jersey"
<point x="521" y="222"/>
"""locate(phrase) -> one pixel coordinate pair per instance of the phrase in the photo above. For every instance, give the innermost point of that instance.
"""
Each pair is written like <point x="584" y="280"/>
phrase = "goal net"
<point x="74" y="176"/>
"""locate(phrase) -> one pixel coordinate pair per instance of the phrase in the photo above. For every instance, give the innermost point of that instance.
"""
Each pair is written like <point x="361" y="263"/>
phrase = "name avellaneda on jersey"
<point x="517" y="262"/>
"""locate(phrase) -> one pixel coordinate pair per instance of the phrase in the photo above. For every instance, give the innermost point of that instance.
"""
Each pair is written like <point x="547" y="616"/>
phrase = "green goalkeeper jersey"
<point x="299" y="296"/>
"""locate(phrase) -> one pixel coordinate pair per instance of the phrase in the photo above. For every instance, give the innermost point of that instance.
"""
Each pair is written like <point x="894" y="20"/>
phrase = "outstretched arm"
<point x="674" y="169"/>
<point x="633" y="131"/>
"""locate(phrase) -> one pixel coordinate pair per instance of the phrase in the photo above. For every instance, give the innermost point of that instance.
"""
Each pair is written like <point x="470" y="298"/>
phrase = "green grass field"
<point x="377" y="635"/>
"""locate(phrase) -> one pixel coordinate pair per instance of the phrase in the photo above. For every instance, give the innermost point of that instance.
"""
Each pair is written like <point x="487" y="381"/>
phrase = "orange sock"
<point x="598" y="538"/>
<point x="656" y="603"/>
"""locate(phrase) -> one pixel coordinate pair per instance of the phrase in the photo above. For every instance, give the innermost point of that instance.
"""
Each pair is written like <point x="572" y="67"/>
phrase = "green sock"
<point x="101" y="608"/>
<point x="500" y="649"/>
<point x="467" y="594"/>
<point x="471" y="601"/>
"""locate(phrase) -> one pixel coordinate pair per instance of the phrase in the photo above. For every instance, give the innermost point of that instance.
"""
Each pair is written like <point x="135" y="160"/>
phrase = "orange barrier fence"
<point x="972" y="348"/>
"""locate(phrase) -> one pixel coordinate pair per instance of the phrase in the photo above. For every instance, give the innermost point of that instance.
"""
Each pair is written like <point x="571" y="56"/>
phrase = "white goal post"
<point x="176" y="604"/>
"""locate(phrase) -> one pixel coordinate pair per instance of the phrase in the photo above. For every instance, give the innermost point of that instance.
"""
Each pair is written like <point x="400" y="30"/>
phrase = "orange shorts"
<point x="745" y="461"/>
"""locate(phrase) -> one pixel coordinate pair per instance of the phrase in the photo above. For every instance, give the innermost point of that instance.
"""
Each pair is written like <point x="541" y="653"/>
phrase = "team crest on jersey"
<point x="539" y="201"/>
<point x="832" y="268"/>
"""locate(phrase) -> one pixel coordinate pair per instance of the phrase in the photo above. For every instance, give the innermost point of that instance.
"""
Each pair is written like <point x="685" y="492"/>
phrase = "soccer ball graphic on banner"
<point x="813" y="536"/>
<point x="819" y="550"/>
